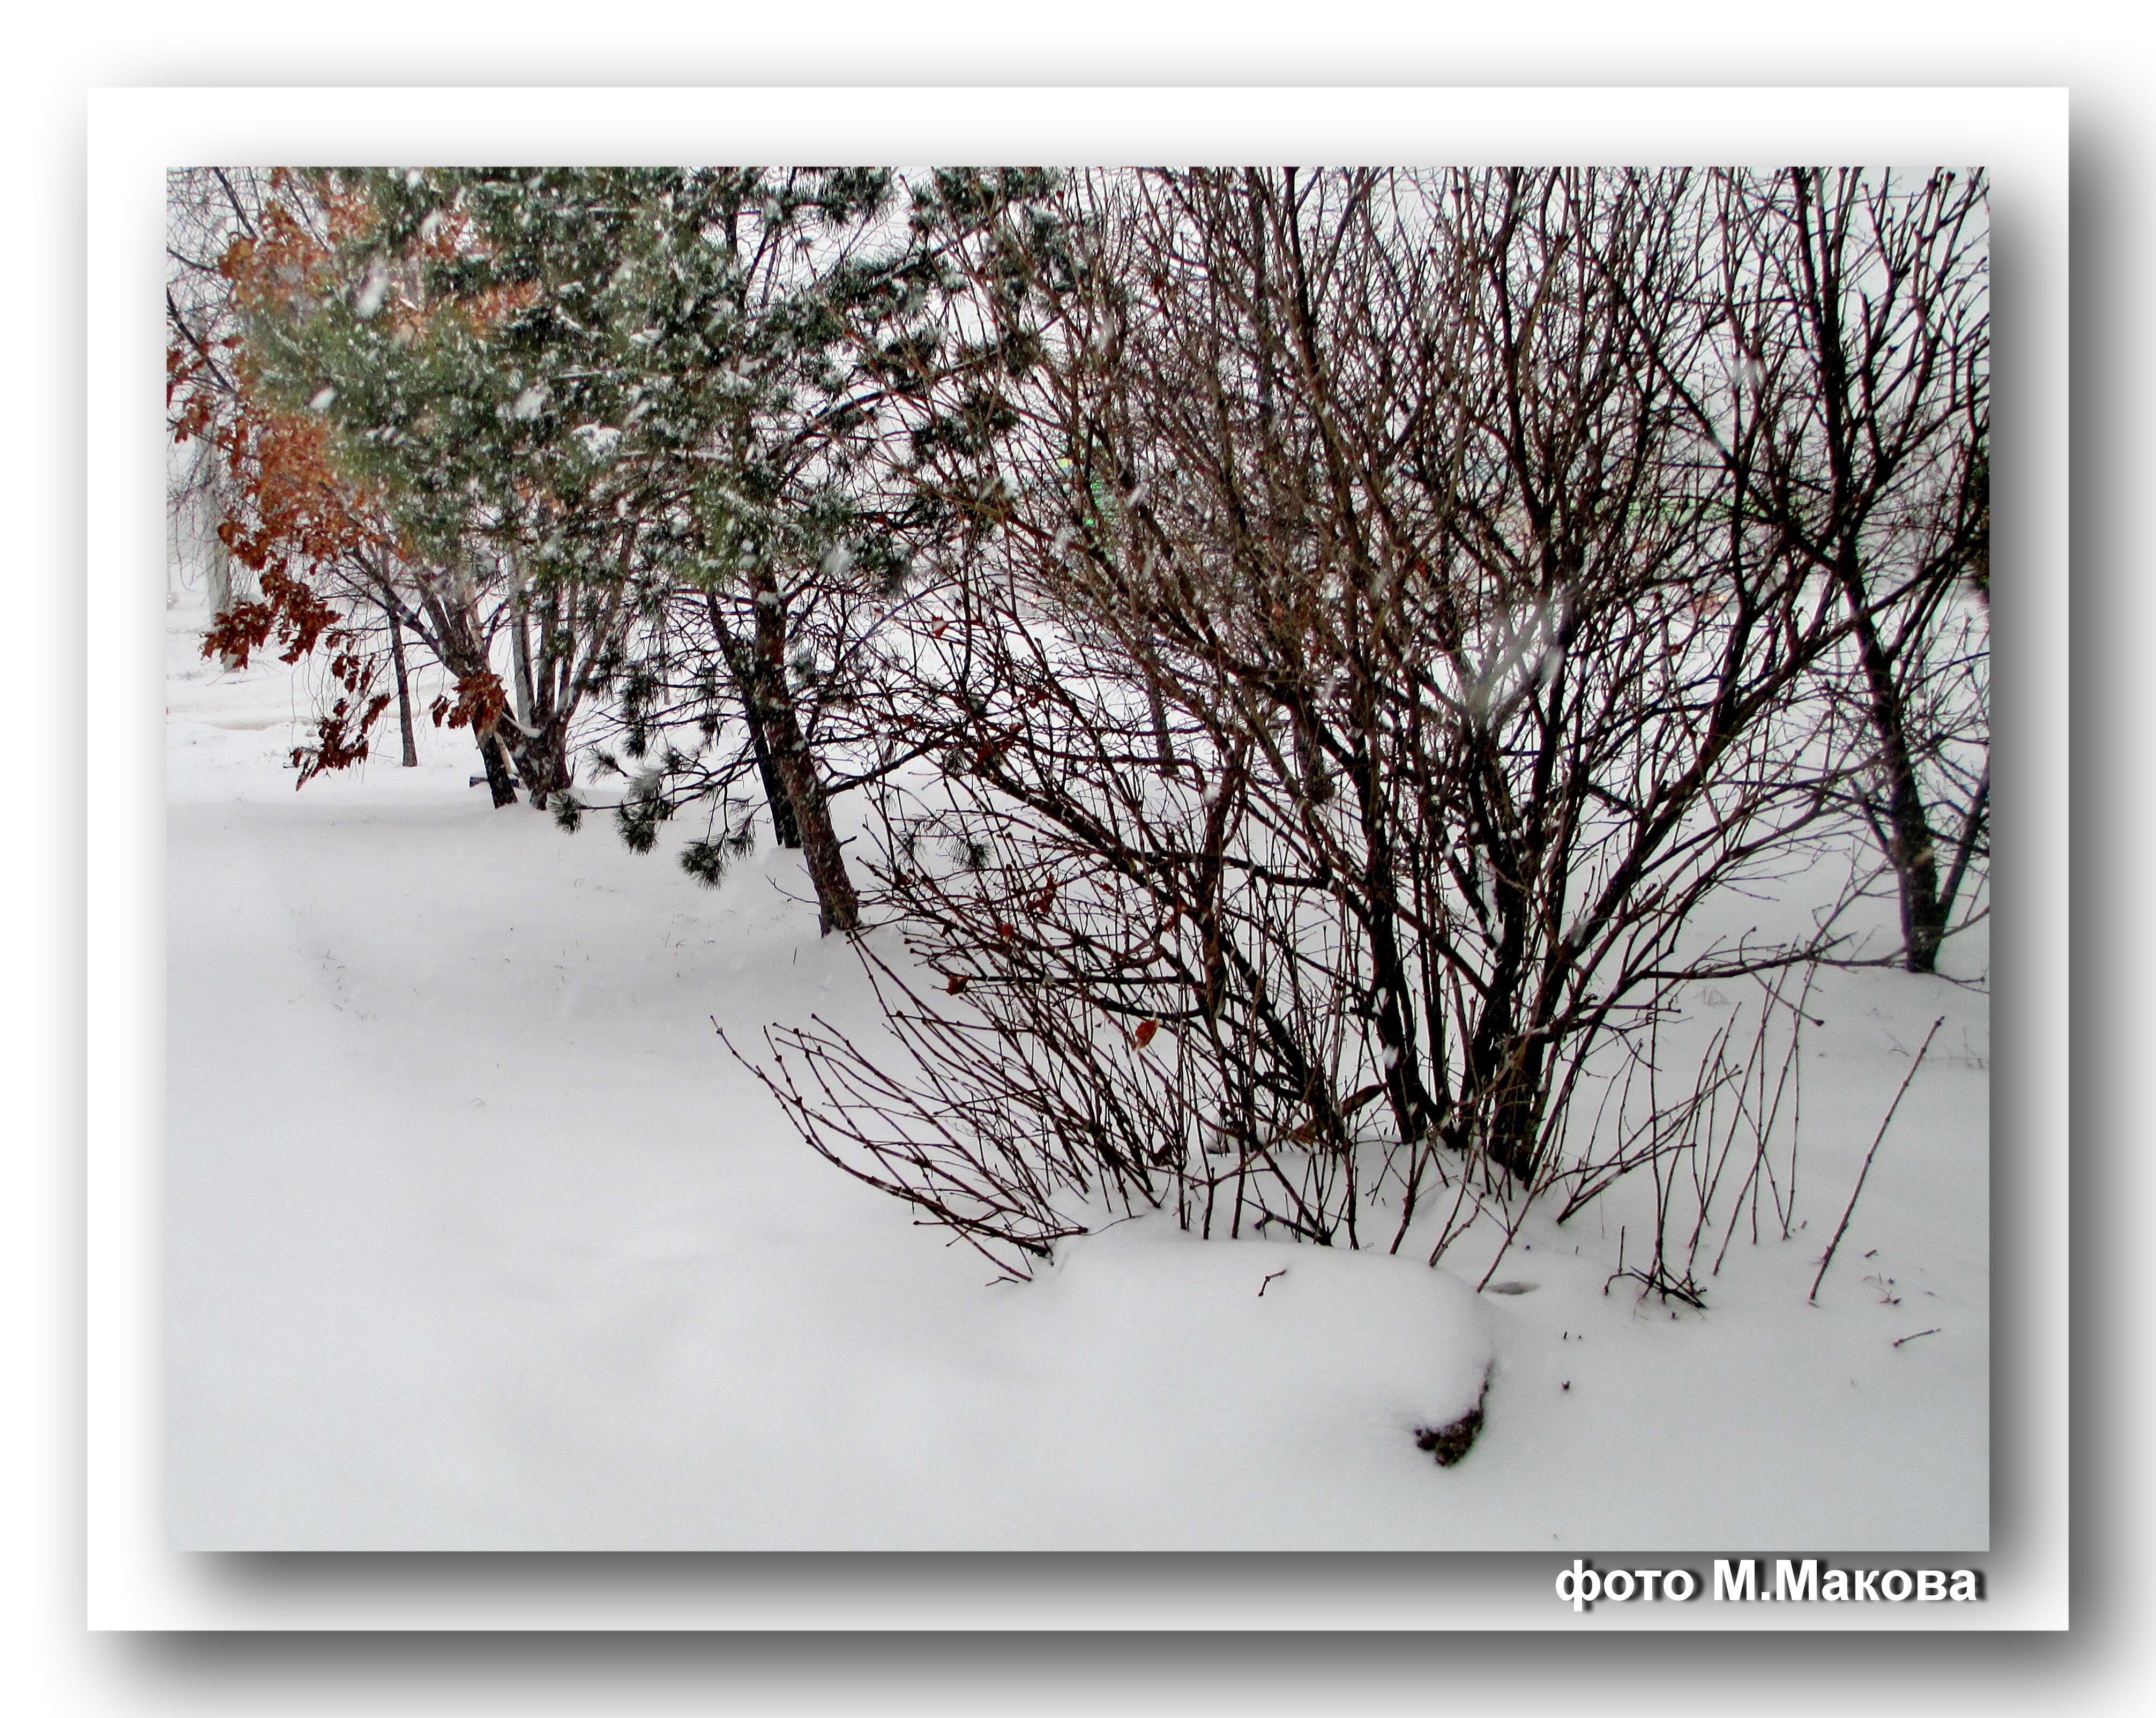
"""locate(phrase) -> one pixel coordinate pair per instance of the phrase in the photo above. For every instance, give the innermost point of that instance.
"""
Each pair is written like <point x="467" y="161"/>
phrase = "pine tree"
<point x="672" y="440"/>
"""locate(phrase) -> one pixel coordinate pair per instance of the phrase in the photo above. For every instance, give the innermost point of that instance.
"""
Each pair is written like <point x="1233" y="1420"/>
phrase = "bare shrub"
<point x="1381" y="659"/>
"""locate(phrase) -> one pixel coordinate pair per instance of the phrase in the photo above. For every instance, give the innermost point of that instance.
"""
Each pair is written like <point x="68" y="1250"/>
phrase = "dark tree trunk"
<point x="403" y="692"/>
<point x="541" y="702"/>
<point x="772" y="702"/>
<point x="540" y="759"/>
<point x="1503" y="1070"/>
<point x="1163" y="743"/>
<point x="500" y="781"/>
<point x="457" y="646"/>
<point x="740" y="664"/>
<point x="1392" y="992"/>
<point x="1910" y="849"/>
<point x="785" y="828"/>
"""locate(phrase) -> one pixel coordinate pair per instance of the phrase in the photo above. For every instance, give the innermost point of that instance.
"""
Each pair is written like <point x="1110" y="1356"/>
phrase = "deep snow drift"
<point x="476" y="1238"/>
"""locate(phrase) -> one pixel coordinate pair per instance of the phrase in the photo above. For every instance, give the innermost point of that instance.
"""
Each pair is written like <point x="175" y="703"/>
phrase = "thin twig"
<point x="1914" y="1335"/>
<point x="1872" y="1153"/>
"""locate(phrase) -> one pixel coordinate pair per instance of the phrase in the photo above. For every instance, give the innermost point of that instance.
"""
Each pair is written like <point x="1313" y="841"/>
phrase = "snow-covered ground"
<point x="477" y="1239"/>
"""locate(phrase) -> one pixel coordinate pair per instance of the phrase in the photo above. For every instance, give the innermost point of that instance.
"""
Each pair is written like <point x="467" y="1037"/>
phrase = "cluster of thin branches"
<point x="1430" y="614"/>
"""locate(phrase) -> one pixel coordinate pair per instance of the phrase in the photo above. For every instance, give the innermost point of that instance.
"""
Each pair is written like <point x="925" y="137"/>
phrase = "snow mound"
<point x="1272" y="1358"/>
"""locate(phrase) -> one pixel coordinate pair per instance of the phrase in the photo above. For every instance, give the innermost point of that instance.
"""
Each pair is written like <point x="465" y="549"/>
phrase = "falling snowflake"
<point x="368" y="299"/>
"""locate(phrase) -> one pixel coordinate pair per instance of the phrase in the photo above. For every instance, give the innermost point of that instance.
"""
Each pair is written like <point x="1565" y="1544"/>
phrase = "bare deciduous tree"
<point x="1859" y="304"/>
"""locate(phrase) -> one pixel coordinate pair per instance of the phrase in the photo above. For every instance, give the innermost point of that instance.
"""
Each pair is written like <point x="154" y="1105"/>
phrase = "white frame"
<point x="136" y="1582"/>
